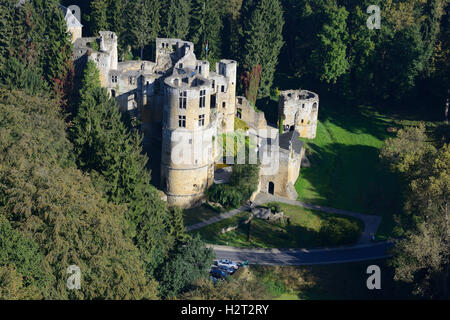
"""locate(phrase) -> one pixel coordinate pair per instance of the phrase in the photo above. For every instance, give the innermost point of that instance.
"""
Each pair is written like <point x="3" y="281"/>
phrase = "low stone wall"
<point x="228" y="229"/>
<point x="246" y="112"/>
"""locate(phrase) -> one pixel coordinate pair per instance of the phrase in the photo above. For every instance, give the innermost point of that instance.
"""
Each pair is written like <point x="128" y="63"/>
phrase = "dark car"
<point x="217" y="273"/>
<point x="226" y="269"/>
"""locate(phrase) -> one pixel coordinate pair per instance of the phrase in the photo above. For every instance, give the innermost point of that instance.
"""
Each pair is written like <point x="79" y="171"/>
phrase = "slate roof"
<point x="291" y="137"/>
<point x="71" y="20"/>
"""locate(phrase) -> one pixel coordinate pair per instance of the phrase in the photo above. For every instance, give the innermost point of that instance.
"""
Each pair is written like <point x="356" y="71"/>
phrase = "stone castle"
<point x="180" y="101"/>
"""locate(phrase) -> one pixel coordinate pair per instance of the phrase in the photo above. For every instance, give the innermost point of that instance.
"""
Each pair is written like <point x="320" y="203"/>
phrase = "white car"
<point x="226" y="263"/>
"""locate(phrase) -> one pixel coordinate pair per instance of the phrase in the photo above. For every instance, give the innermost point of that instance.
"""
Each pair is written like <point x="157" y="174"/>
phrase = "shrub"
<point x="275" y="207"/>
<point x="338" y="231"/>
<point x="226" y="195"/>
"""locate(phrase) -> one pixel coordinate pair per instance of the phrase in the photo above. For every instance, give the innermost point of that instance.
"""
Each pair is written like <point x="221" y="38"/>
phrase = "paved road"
<point x="371" y="223"/>
<point x="295" y="257"/>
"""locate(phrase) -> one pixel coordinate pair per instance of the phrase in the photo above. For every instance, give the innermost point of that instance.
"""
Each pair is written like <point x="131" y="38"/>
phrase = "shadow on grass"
<point x="345" y="281"/>
<point x="264" y="234"/>
<point x="198" y="214"/>
<point x="356" y="119"/>
<point x="270" y="109"/>
<point x="352" y="178"/>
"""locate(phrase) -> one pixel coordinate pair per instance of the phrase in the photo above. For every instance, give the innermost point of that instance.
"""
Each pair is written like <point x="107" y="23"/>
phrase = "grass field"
<point x="302" y="232"/>
<point x="329" y="282"/>
<point x="198" y="214"/>
<point x="346" y="171"/>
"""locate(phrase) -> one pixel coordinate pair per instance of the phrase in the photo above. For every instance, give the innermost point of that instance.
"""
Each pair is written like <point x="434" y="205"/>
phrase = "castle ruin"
<point x="180" y="102"/>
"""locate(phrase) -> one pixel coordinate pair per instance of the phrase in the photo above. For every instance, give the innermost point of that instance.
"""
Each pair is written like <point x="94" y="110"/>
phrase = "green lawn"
<point x="346" y="171"/>
<point x="329" y="282"/>
<point x="240" y="124"/>
<point x="303" y="231"/>
<point x="198" y="214"/>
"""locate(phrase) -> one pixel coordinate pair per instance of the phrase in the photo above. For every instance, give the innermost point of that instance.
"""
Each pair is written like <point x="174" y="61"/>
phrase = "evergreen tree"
<point x="16" y="75"/>
<point x="329" y="57"/>
<point x="7" y="9"/>
<point x="206" y="26"/>
<point x="105" y="146"/>
<point x="99" y="16"/>
<point x="175" y="18"/>
<point x="263" y="40"/>
<point x="47" y="200"/>
<point x="232" y="29"/>
<point x="19" y="37"/>
<point x="143" y="18"/>
<point x="56" y="53"/>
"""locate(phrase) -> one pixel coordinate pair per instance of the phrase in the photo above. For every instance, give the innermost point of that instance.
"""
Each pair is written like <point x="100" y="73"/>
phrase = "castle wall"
<point x="299" y="110"/>
<point x="227" y="100"/>
<point x="187" y="131"/>
<point x="283" y="180"/>
<point x="76" y="33"/>
<point x="247" y="113"/>
<point x="187" y="164"/>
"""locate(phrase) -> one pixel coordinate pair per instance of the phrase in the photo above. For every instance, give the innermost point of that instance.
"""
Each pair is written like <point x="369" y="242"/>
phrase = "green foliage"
<point x="188" y="264"/>
<point x="280" y="126"/>
<point x="15" y="75"/>
<point x="339" y="231"/>
<point x="404" y="151"/>
<point x="329" y="57"/>
<point x="245" y="178"/>
<point x="142" y="23"/>
<point x="228" y="196"/>
<point x="104" y="145"/>
<point x="175" y="18"/>
<point x="243" y="182"/>
<point x="12" y="288"/>
<point x="206" y="25"/>
<point x="232" y="289"/>
<point x="98" y="16"/>
<point x="24" y="255"/>
<point x="49" y="201"/>
<point x="56" y="54"/>
<point x="262" y="39"/>
<point x="422" y="256"/>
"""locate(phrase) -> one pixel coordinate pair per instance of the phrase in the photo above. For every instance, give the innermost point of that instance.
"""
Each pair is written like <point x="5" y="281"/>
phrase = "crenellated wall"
<point x="299" y="111"/>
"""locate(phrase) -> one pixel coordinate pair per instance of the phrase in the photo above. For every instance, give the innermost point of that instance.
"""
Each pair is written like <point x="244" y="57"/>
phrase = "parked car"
<point x="218" y="274"/>
<point x="226" y="263"/>
<point x="227" y="269"/>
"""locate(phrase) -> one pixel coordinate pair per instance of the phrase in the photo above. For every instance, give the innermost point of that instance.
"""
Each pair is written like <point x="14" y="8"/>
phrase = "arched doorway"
<point x="271" y="187"/>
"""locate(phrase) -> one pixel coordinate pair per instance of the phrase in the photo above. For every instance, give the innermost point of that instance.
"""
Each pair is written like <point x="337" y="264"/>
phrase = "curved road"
<point x="297" y="257"/>
<point x="364" y="250"/>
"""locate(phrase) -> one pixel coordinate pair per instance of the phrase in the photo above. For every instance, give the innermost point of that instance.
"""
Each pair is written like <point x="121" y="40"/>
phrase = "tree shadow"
<point x="270" y="109"/>
<point x="351" y="178"/>
<point x="356" y="119"/>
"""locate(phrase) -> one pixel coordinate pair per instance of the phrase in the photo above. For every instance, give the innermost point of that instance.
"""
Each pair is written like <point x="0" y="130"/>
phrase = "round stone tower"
<point x="187" y="162"/>
<point x="298" y="110"/>
<point x="227" y="96"/>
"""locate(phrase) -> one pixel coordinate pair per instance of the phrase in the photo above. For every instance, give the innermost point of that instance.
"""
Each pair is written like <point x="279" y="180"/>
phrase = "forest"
<point x="74" y="183"/>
